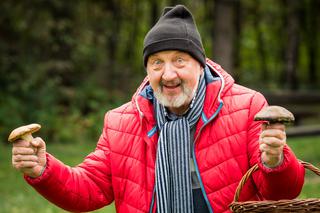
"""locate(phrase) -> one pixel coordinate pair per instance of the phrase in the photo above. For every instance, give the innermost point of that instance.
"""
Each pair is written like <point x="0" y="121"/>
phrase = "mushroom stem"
<point x="27" y="137"/>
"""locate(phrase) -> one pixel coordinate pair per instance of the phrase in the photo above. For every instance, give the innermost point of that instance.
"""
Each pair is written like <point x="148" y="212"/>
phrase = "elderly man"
<point x="181" y="145"/>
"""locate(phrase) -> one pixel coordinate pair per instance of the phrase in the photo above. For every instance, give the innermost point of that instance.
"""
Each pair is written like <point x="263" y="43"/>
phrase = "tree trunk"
<point x="260" y="42"/>
<point x="293" y="40"/>
<point x="237" y="41"/>
<point x="112" y="44"/>
<point x="127" y="73"/>
<point x="313" y="25"/>
<point x="224" y="34"/>
<point x="154" y="10"/>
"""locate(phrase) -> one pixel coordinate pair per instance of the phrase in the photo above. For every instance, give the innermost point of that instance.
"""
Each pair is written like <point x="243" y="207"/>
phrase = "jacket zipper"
<point x="195" y="160"/>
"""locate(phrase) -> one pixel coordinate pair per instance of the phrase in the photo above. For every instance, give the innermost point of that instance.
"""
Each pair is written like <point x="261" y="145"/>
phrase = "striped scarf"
<point x="173" y="180"/>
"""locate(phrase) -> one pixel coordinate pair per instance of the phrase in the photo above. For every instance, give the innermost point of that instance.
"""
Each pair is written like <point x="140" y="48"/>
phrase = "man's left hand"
<point x="272" y="140"/>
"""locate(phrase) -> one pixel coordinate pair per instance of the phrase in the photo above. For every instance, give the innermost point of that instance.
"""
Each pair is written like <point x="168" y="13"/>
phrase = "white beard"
<point x="176" y="101"/>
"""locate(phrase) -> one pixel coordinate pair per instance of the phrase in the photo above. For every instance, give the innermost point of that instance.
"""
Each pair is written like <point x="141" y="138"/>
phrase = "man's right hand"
<point x="29" y="157"/>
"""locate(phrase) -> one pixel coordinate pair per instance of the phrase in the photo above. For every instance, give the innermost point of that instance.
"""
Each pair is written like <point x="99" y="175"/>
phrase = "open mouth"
<point x="171" y="89"/>
<point x="171" y="86"/>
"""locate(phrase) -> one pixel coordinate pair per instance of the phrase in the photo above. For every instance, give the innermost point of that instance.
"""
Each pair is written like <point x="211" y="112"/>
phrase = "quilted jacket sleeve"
<point x="282" y="182"/>
<point x="83" y="188"/>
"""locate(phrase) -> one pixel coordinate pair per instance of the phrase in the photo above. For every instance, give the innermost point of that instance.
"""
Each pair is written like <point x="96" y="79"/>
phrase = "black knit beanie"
<point x="175" y="30"/>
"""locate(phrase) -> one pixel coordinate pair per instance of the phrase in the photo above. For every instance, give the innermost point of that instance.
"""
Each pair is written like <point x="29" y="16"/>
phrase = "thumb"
<point x="38" y="143"/>
<point x="40" y="146"/>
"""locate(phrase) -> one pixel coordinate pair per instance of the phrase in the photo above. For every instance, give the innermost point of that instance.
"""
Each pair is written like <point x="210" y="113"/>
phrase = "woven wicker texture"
<point x="296" y="205"/>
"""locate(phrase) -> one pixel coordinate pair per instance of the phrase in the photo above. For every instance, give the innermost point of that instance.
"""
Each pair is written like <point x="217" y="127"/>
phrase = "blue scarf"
<point x="173" y="179"/>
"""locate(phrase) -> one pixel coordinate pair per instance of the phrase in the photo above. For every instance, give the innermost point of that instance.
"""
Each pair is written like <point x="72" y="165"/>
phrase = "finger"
<point x="272" y="141"/>
<point x="24" y="164"/>
<point x="278" y="126"/>
<point x="273" y="133"/>
<point x="38" y="142"/>
<point x="19" y="158"/>
<point x="27" y="170"/>
<point x="21" y="143"/>
<point x="270" y="151"/>
<point x="22" y="151"/>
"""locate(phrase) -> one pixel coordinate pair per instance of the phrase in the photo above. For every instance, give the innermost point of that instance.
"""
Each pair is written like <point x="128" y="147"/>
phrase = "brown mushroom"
<point x="274" y="114"/>
<point x="23" y="132"/>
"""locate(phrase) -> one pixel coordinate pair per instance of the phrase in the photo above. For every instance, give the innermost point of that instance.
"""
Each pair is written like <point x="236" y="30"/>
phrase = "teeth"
<point x="172" y="85"/>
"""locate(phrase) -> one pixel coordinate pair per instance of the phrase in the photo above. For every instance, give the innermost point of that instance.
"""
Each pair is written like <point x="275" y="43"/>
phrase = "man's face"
<point x="174" y="78"/>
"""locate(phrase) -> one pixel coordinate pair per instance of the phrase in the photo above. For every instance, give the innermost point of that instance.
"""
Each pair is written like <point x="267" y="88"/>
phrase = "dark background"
<point x="63" y="64"/>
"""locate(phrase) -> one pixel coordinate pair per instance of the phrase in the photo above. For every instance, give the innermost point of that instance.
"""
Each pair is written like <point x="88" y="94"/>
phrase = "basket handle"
<point x="247" y="175"/>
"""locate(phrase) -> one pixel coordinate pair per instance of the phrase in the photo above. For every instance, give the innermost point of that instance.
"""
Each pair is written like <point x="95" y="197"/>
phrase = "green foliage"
<point x="63" y="65"/>
<point x="53" y="71"/>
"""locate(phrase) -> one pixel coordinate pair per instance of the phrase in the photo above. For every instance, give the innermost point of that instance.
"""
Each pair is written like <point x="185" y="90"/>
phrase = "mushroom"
<point x="275" y="114"/>
<point x="24" y="132"/>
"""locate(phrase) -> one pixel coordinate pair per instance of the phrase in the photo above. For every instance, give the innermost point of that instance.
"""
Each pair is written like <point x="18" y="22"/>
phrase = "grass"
<point x="308" y="149"/>
<point x="17" y="196"/>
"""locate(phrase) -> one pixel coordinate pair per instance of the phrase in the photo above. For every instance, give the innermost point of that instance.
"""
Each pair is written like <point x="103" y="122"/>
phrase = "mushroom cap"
<point x="274" y="114"/>
<point x="20" y="131"/>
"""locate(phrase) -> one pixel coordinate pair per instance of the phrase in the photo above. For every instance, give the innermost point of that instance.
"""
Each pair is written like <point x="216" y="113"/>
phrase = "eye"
<point x="180" y="61"/>
<point x="155" y="64"/>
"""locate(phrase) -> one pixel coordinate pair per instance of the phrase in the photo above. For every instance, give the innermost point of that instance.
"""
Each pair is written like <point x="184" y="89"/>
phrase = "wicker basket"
<point x="296" y="205"/>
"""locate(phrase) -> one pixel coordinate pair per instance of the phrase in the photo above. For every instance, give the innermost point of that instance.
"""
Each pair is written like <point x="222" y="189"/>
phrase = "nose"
<point x="169" y="72"/>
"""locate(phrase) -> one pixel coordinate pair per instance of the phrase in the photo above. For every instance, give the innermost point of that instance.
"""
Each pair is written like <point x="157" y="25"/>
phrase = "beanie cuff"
<point x="180" y="44"/>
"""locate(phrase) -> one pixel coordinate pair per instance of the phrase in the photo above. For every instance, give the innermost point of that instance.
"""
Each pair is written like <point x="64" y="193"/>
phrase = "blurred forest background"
<point x="65" y="63"/>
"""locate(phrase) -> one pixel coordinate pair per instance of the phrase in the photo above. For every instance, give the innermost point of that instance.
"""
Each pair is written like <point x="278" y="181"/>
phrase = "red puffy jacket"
<point x="122" y="168"/>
